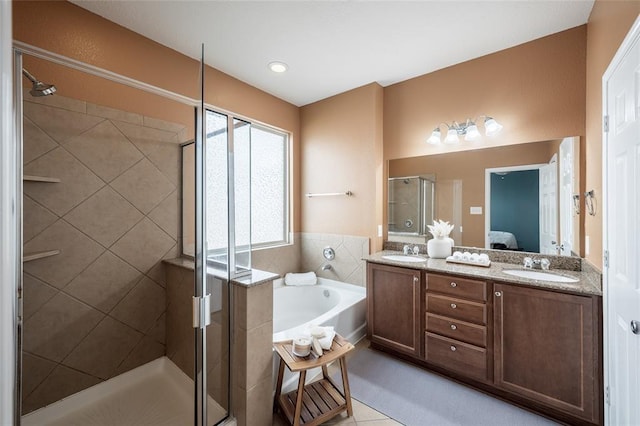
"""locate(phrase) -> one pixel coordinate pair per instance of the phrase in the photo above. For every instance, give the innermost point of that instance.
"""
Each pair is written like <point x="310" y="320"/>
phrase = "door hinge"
<point x="605" y="123"/>
<point x="606" y="258"/>
<point x="201" y="311"/>
<point x="607" y="396"/>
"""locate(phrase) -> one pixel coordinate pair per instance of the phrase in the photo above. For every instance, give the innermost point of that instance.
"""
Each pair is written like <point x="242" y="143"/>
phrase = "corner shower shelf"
<point x="27" y="257"/>
<point x="40" y="179"/>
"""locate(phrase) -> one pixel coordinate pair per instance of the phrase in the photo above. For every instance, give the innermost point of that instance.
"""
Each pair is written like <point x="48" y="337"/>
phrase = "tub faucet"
<point x="326" y="267"/>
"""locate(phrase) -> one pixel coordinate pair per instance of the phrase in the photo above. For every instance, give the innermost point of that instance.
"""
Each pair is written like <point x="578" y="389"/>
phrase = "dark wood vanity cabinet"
<point x="456" y="324"/>
<point x="545" y="348"/>
<point x="536" y="347"/>
<point x="393" y="308"/>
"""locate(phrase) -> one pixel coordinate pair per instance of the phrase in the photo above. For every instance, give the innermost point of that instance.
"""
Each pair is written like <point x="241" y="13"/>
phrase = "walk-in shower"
<point x="39" y="88"/>
<point x="101" y="196"/>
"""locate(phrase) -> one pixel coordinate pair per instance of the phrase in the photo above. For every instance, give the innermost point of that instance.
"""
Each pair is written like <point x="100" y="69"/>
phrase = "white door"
<point x="565" y="204"/>
<point x="549" y="206"/>
<point x="622" y="233"/>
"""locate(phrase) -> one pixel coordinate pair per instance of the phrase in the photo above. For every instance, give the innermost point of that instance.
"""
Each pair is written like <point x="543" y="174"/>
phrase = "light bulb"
<point x="434" y="139"/>
<point x="472" y="133"/>
<point x="452" y="136"/>
<point x="278" y="67"/>
<point x="491" y="126"/>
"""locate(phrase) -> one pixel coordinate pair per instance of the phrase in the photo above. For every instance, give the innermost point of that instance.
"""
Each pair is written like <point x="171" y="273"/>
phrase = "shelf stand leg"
<point x="345" y="384"/>
<point x="276" y="400"/>
<point x="296" y="415"/>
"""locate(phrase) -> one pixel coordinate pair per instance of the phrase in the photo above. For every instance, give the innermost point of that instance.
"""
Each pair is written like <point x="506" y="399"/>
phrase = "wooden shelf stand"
<point x="321" y="400"/>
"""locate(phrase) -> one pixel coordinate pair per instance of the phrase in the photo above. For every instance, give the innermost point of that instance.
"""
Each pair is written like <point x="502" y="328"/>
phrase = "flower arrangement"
<point x="440" y="229"/>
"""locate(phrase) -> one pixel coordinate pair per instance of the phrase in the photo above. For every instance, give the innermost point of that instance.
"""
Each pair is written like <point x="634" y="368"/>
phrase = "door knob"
<point x="635" y="327"/>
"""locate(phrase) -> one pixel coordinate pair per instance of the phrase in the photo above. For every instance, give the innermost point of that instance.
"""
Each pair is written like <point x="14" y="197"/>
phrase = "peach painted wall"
<point x="342" y="150"/>
<point x="62" y="27"/>
<point x="536" y="90"/>
<point x="608" y="24"/>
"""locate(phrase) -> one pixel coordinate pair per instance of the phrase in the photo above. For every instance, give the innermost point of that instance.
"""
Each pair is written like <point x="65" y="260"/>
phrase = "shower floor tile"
<point x="157" y="393"/>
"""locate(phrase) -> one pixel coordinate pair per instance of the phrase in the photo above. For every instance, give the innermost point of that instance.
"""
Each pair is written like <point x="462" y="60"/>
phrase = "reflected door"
<point x="549" y="207"/>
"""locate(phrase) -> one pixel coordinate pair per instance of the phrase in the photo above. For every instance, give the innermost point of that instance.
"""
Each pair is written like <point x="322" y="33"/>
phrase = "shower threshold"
<point x="157" y="393"/>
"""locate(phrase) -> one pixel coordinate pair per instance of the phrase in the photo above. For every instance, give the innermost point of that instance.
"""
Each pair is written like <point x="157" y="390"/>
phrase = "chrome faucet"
<point x="529" y="263"/>
<point x="327" y="267"/>
<point x="406" y="249"/>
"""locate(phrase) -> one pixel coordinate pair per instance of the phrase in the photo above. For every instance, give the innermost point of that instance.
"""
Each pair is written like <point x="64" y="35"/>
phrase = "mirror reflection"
<point x="516" y="197"/>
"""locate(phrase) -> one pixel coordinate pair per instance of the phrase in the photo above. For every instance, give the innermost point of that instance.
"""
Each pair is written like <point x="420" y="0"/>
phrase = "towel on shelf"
<point x="307" y="278"/>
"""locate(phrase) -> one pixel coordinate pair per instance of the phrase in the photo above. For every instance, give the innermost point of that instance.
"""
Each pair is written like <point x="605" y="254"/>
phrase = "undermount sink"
<point x="403" y="258"/>
<point x="539" y="275"/>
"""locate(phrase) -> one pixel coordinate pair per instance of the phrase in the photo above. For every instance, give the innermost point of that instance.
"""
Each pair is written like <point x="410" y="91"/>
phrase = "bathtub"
<point x="329" y="303"/>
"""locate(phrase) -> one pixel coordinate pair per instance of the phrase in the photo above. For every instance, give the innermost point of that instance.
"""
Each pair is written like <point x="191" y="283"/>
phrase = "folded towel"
<point x="307" y="278"/>
<point x="324" y="335"/>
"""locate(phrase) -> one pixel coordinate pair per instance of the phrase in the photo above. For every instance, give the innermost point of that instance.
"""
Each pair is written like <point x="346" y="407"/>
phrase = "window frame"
<point x="286" y="208"/>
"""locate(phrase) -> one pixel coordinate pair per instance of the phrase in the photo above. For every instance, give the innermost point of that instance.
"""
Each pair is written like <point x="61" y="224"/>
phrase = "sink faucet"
<point x="406" y="249"/>
<point x="530" y="263"/>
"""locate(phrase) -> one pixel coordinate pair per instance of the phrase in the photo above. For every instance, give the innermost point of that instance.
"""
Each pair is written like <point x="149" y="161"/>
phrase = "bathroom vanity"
<point x="535" y="343"/>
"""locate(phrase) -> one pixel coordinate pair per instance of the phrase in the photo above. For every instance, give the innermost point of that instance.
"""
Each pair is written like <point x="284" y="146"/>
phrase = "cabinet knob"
<point x="453" y="284"/>
<point x="498" y="293"/>
<point x="415" y="279"/>
<point x="453" y="306"/>
<point x="454" y="327"/>
<point x="453" y="348"/>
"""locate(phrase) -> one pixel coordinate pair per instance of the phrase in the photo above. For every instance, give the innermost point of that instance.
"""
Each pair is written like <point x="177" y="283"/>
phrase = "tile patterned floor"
<point x="362" y="415"/>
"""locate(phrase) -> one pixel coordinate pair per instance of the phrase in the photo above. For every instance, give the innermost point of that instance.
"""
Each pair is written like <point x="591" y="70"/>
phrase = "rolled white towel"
<point x="324" y="335"/>
<point x="307" y="278"/>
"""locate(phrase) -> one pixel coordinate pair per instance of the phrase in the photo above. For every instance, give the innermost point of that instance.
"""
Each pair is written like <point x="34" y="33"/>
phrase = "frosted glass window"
<point x="216" y="186"/>
<point x="269" y="187"/>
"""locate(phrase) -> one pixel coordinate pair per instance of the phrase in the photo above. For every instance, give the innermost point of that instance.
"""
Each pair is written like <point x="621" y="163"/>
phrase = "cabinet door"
<point x="393" y="308"/>
<point x="544" y="345"/>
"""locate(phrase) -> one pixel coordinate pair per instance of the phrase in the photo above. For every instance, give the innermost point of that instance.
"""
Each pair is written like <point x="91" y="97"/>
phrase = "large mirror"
<point x="523" y="197"/>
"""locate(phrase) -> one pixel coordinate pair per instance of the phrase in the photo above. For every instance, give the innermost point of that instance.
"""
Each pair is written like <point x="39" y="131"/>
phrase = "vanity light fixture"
<point x="278" y="67"/>
<point x="468" y="129"/>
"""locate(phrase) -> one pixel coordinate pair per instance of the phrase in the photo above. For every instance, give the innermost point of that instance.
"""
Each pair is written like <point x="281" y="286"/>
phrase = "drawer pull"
<point x="453" y="327"/>
<point x="454" y="285"/>
<point x="453" y="348"/>
<point x="498" y="293"/>
<point x="453" y="306"/>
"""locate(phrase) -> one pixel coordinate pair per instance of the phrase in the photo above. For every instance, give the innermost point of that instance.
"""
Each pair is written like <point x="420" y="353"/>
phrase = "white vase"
<point x="439" y="248"/>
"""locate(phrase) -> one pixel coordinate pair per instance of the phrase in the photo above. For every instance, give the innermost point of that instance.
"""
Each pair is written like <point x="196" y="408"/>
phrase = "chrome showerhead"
<point x="39" y="88"/>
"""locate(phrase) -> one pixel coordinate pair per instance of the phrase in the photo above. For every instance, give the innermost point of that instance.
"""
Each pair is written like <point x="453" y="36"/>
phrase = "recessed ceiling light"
<point x="277" y="66"/>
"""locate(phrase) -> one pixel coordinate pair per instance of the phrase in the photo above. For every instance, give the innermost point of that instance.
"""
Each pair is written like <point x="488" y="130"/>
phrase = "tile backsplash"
<point x="347" y="266"/>
<point x="97" y="309"/>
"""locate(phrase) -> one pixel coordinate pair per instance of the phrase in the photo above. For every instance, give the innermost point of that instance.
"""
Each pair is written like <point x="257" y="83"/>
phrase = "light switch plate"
<point x="475" y="210"/>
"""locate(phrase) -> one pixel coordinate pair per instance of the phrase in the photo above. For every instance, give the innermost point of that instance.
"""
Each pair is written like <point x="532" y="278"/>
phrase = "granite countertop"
<point x="590" y="283"/>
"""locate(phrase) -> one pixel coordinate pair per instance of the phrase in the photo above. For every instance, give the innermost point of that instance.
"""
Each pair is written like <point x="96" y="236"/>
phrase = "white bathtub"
<point x="329" y="303"/>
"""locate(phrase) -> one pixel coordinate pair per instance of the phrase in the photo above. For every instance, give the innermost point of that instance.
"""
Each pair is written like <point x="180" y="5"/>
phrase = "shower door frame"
<point x="21" y="48"/>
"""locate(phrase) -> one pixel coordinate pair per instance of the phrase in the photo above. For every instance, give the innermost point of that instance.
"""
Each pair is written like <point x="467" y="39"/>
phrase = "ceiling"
<point x="334" y="46"/>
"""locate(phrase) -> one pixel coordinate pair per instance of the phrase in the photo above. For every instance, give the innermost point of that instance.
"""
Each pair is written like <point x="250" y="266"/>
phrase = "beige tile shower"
<point x="98" y="308"/>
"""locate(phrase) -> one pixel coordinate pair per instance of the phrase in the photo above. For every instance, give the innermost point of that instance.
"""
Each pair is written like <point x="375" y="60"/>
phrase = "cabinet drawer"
<point x="456" y="356"/>
<point x="456" y="329"/>
<point x="457" y="308"/>
<point x="457" y="287"/>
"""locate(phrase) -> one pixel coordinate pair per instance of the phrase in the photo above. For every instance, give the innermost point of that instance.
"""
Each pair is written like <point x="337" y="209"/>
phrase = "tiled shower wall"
<point x="97" y="309"/>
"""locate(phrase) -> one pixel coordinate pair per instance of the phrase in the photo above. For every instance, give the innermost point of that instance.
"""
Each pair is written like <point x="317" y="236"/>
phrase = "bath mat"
<point x="416" y="397"/>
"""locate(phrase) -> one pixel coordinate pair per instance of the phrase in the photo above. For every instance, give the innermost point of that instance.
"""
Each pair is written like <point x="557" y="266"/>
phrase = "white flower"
<point x="440" y="229"/>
